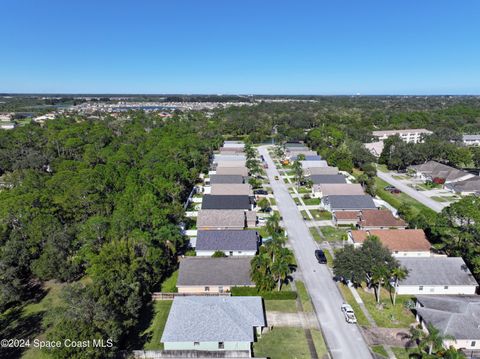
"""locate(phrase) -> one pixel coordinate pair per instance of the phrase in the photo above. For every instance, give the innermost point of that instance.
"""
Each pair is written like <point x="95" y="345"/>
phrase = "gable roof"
<point x="458" y="316"/>
<point x="380" y="218"/>
<point x="321" y="171"/>
<point x="345" y="189"/>
<point x="401" y="240"/>
<point x="202" y="271"/>
<point x="220" y="218"/>
<point x="468" y="185"/>
<point x="321" y="179"/>
<point x="227" y="240"/>
<point x="231" y="189"/>
<point x="307" y="164"/>
<point x="216" y="179"/>
<point x="211" y="201"/>
<point x="221" y="158"/>
<point x="437" y="271"/>
<point x="308" y="157"/>
<point x="241" y="171"/>
<point x="213" y="319"/>
<point x="346" y="215"/>
<point x="225" y="163"/>
<point x="294" y="145"/>
<point x="355" y="202"/>
<point x="436" y="169"/>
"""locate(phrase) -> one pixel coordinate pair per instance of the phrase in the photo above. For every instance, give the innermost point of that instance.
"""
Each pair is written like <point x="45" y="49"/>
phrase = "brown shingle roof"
<point x="380" y="218"/>
<point x="344" y="189"/>
<point x="220" y="218"/>
<point x="403" y="240"/>
<point x="347" y="215"/>
<point x="232" y="189"/>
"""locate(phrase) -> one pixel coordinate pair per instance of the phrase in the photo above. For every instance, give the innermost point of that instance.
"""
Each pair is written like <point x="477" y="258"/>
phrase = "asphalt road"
<point x="420" y="197"/>
<point x="344" y="340"/>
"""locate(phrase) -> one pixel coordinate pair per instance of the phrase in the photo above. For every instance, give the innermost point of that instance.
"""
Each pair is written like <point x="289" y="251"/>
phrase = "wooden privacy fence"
<point x="171" y="296"/>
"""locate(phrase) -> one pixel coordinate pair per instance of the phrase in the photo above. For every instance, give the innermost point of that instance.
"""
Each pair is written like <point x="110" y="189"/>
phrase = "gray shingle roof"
<point x="226" y="202"/>
<point x="215" y="179"/>
<point x="355" y="202"/>
<point x="471" y="137"/>
<point x="436" y="169"/>
<point x="213" y="319"/>
<point x="468" y="185"/>
<point x="319" y="179"/>
<point x="232" y="271"/>
<point x="233" y="240"/>
<point x="437" y="271"/>
<point x="458" y="316"/>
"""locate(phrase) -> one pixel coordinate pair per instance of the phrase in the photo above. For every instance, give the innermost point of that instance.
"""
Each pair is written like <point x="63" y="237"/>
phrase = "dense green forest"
<point x="97" y="204"/>
<point x="96" y="200"/>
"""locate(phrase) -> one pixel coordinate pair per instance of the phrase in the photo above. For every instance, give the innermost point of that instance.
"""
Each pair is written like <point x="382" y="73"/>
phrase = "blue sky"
<point x="261" y="47"/>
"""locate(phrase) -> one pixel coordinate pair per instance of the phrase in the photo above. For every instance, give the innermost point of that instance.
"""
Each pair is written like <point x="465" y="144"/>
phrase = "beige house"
<point x="231" y="189"/>
<point x="329" y="189"/>
<point x="213" y="275"/>
<point x="241" y="171"/>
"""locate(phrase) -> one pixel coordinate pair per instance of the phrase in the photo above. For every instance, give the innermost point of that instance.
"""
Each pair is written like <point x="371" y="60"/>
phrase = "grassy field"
<point x="272" y="201"/>
<point x="155" y="331"/>
<point x="444" y="198"/>
<point x="396" y="200"/>
<point x="315" y="235"/>
<point x="311" y="201"/>
<point x="379" y="349"/>
<point x="169" y="285"/>
<point x="286" y="306"/>
<point x="390" y="316"/>
<point x="304" y="296"/>
<point x="348" y="296"/>
<point x="287" y="343"/>
<point x="333" y="234"/>
<point x="321" y="215"/>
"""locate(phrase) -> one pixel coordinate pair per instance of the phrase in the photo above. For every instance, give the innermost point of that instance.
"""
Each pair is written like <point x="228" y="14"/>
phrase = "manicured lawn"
<point x="333" y="234"/>
<point x="155" y="331"/>
<point x="403" y="353"/>
<point x="329" y="258"/>
<point x="311" y="201"/>
<point x="169" y="285"/>
<point x="379" y="349"/>
<point x="444" y="198"/>
<point x="304" y="296"/>
<point x="348" y="296"/>
<point x="315" y="235"/>
<point x="390" y="316"/>
<point x="287" y="343"/>
<point x="305" y="215"/>
<point x="396" y="200"/>
<point x="272" y="201"/>
<point x="304" y="190"/>
<point x="287" y="306"/>
<point x="297" y="201"/>
<point x="321" y="215"/>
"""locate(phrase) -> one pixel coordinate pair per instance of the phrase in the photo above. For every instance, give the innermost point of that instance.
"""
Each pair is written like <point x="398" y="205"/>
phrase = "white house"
<point x="414" y="135"/>
<point x="471" y="140"/>
<point x="437" y="275"/>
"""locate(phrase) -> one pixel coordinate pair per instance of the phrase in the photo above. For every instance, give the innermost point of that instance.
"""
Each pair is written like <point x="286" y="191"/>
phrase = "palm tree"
<point x="379" y="275"/>
<point x="433" y="340"/>
<point x="273" y="225"/>
<point x="297" y="172"/>
<point x="398" y="274"/>
<point x="281" y="268"/>
<point x="452" y="353"/>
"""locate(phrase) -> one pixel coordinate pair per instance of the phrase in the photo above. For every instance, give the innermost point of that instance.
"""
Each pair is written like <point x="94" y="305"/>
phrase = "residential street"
<point x="420" y="197"/>
<point x="344" y="340"/>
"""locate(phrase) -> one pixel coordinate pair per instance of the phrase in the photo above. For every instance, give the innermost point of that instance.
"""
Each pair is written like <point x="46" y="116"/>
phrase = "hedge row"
<point x="249" y="291"/>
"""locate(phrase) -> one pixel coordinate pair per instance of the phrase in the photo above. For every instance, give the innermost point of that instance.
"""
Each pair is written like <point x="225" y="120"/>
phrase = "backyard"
<point x="154" y="332"/>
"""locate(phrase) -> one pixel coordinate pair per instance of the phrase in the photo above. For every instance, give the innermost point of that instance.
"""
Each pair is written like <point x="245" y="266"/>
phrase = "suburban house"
<point x="434" y="171"/>
<point x="375" y="148"/>
<point x="456" y="316"/>
<point x="234" y="144"/>
<point x="231" y="189"/>
<point x="345" y="218"/>
<point x="239" y="171"/>
<point x="231" y="242"/>
<point x="324" y="179"/>
<point x="410" y="135"/>
<point x="348" y="203"/>
<point x="295" y="146"/>
<point x="221" y="219"/>
<point x="471" y="140"/>
<point x="211" y="201"/>
<point x="213" y="275"/>
<point x="401" y="242"/>
<point x="228" y="158"/>
<point x="217" y="179"/>
<point x="231" y="150"/>
<point x="308" y="157"/>
<point x="309" y="164"/>
<point x="437" y="275"/>
<point x="311" y="171"/>
<point x="370" y="219"/>
<point x="239" y="163"/>
<point x="328" y="189"/>
<point x="199" y="323"/>
<point x="466" y="187"/>
<point x="292" y="154"/>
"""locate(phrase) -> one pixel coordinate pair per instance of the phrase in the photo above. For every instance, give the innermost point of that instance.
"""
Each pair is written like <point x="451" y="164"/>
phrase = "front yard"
<point x="287" y="343"/>
<point x="348" y="296"/>
<point x="286" y="306"/>
<point x="333" y="234"/>
<point x="387" y="315"/>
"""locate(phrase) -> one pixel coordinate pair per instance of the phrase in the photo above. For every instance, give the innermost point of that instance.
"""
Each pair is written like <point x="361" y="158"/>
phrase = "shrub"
<point x="273" y="295"/>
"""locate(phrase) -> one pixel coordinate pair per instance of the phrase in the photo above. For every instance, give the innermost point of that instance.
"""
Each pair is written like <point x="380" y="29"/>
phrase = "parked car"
<point x="320" y="255"/>
<point x="262" y="220"/>
<point x="260" y="192"/>
<point x="265" y="166"/>
<point x="276" y="178"/>
<point x="392" y="189"/>
<point x="348" y="313"/>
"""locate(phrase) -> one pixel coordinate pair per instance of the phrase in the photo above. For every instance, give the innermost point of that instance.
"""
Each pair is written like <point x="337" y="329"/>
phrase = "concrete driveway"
<point x="345" y="341"/>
